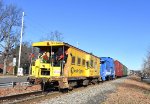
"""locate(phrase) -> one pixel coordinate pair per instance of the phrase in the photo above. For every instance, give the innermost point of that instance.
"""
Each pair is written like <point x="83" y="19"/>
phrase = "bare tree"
<point x="54" y="36"/>
<point x="10" y="22"/>
<point x="146" y="63"/>
<point x="27" y="51"/>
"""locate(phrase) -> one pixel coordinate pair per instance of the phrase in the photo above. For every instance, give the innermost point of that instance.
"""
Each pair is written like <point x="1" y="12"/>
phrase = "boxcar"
<point x="125" y="70"/>
<point x="107" y="70"/>
<point x="64" y="66"/>
<point x="118" y="69"/>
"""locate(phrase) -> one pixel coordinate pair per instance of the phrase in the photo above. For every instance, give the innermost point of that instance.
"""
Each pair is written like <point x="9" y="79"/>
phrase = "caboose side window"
<point x="87" y="64"/>
<point x="95" y="65"/>
<point x="79" y="61"/>
<point x="73" y="60"/>
<point x="83" y="62"/>
<point x="91" y="63"/>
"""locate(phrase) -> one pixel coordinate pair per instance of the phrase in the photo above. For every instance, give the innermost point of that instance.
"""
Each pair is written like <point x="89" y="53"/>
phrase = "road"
<point x="147" y="80"/>
<point x="4" y="79"/>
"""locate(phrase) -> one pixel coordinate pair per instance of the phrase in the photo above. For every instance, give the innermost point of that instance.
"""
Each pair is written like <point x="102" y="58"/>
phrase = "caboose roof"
<point x="47" y="43"/>
<point x="56" y="43"/>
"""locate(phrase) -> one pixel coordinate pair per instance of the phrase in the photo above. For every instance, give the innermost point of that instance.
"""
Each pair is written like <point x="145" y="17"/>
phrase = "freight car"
<point x="125" y="70"/>
<point x="107" y="69"/>
<point x="64" y="66"/>
<point x="118" y="69"/>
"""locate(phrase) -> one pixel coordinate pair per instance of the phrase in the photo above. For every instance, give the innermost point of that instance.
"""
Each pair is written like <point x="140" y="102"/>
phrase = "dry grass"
<point x="18" y="90"/>
<point x="132" y="91"/>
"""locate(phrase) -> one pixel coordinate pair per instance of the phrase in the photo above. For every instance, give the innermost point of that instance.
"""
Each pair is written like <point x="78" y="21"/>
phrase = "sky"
<point x="113" y="28"/>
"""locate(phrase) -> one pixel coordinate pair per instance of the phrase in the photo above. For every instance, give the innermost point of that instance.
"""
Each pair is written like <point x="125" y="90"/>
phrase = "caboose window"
<point x="95" y="65"/>
<point x="83" y="62"/>
<point x="79" y="61"/>
<point x="91" y="63"/>
<point x="102" y="62"/>
<point x="87" y="64"/>
<point x="73" y="60"/>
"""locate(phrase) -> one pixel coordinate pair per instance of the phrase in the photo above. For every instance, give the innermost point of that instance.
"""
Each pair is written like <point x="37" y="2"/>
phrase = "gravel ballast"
<point x="90" y="95"/>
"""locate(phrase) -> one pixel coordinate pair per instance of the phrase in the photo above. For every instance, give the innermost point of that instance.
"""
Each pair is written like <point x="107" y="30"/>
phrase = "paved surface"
<point x="147" y="80"/>
<point x="4" y="79"/>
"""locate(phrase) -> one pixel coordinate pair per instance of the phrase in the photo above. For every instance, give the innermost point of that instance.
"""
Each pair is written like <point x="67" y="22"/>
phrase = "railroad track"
<point x="37" y="96"/>
<point x="19" y="97"/>
<point x="33" y="96"/>
<point x="51" y="95"/>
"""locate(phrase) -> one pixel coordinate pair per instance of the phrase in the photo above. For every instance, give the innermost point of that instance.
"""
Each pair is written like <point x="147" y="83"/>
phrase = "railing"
<point x="12" y="84"/>
<point x="24" y="83"/>
<point x="8" y="84"/>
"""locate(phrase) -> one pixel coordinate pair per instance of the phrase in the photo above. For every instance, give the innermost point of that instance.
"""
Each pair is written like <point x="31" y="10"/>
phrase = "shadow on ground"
<point x="138" y="87"/>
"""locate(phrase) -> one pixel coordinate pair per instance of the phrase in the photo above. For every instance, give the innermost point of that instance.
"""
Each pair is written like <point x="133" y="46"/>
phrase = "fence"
<point x="8" y="84"/>
<point x="12" y="84"/>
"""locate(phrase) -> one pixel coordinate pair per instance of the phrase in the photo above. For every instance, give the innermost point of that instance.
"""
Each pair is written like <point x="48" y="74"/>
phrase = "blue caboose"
<point x="107" y="69"/>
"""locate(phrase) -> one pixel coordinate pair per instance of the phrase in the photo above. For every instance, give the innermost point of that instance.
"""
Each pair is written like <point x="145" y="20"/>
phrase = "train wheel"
<point x="102" y="79"/>
<point x="42" y="85"/>
<point x="65" y="90"/>
<point x="70" y="88"/>
<point x="109" y="78"/>
<point x="115" y="77"/>
<point x="85" y="83"/>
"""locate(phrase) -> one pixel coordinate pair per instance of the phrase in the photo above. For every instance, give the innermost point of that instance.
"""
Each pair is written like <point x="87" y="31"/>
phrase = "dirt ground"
<point x="132" y="91"/>
<point x="18" y="90"/>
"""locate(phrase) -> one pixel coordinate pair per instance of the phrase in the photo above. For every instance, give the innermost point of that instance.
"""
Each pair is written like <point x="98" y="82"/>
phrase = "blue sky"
<point x="116" y="28"/>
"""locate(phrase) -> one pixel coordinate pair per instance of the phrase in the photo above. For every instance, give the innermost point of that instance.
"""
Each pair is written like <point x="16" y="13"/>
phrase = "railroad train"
<point x="64" y="66"/>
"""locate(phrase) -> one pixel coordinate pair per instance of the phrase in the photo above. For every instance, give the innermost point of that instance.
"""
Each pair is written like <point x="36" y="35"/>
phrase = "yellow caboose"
<point x="64" y="66"/>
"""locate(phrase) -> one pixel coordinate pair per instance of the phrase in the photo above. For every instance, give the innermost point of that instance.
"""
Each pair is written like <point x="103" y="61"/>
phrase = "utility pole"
<point x="20" y="41"/>
<point x="30" y="61"/>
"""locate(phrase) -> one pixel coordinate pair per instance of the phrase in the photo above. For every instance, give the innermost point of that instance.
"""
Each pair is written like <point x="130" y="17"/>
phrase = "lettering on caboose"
<point x="76" y="71"/>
